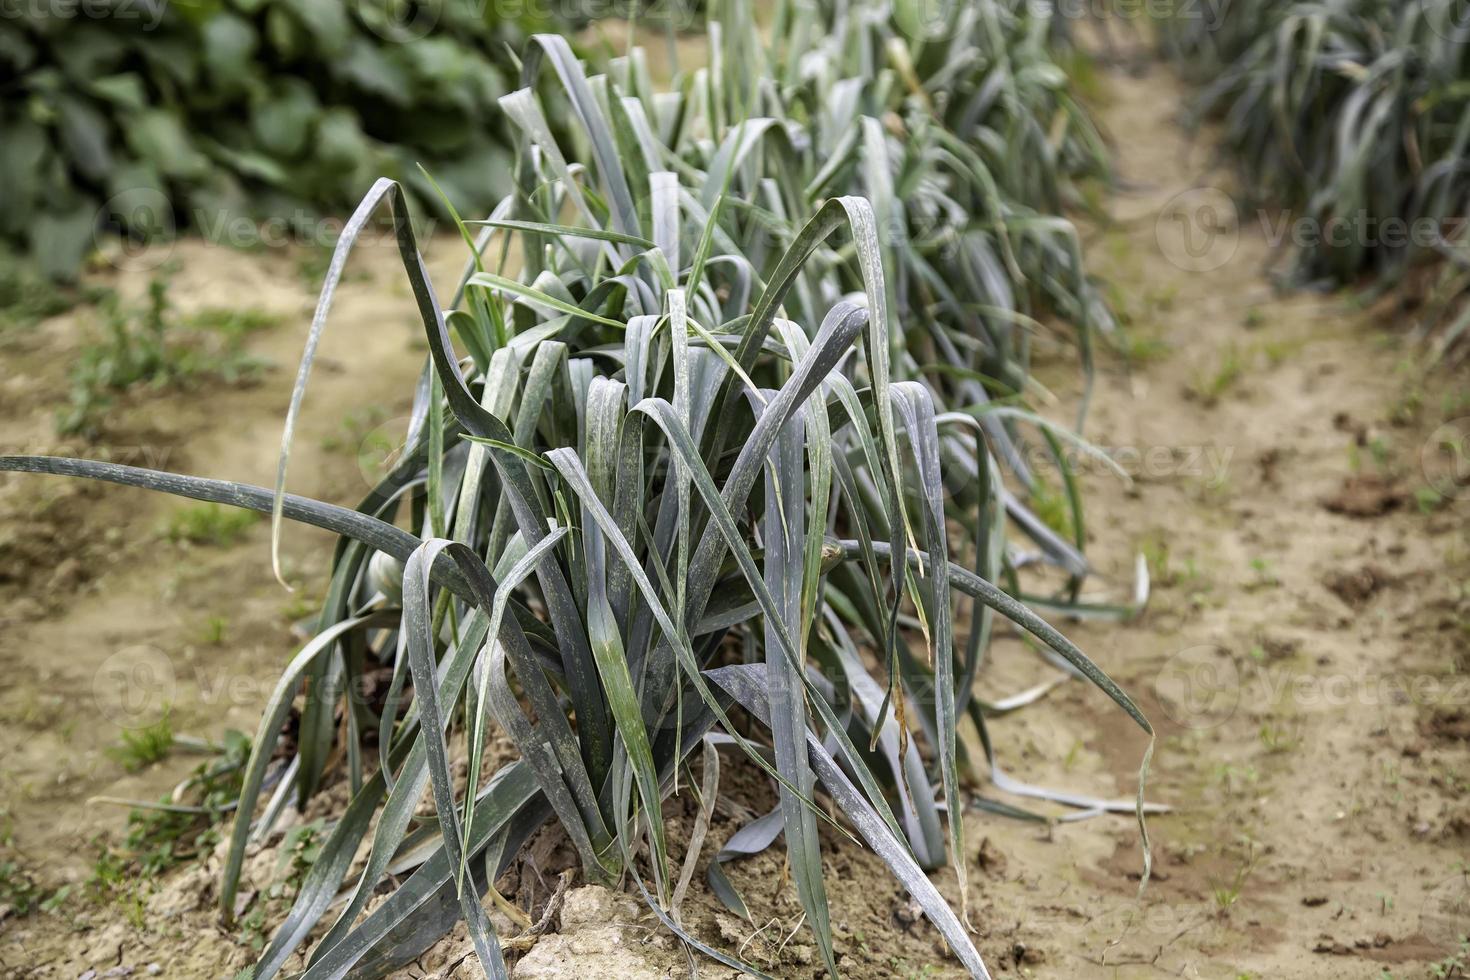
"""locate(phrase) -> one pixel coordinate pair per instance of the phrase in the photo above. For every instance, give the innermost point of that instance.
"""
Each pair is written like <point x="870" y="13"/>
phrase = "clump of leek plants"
<point x="725" y="427"/>
<point x="1352" y="116"/>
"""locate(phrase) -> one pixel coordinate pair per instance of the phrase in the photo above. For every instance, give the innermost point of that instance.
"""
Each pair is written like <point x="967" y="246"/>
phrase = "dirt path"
<point x="1304" y="668"/>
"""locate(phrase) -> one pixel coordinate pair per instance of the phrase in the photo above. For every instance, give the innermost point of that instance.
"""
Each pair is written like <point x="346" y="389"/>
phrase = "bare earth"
<point x="1302" y="658"/>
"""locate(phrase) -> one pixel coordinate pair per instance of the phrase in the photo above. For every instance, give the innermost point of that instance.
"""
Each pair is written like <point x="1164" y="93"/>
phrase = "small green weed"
<point x="153" y="347"/>
<point x="298" y="852"/>
<point x="1226" y="894"/>
<point x="1264" y="576"/>
<point x="1277" y="738"/>
<point x="208" y="524"/>
<point x="1457" y="964"/>
<point x="144" y="746"/>
<point x="216" y="628"/>
<point x="26" y="296"/>
<point x="160" y="839"/>
<point x="1052" y="506"/>
<point x="18" y="890"/>
<point x="1428" y="500"/>
<point x="1209" y="385"/>
<point x="1139" y="350"/>
<point x="233" y="323"/>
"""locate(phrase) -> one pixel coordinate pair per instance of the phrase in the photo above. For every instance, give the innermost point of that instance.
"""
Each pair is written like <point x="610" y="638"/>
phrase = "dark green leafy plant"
<point x="147" y="117"/>
<point x="747" y="406"/>
<point x="26" y="296"/>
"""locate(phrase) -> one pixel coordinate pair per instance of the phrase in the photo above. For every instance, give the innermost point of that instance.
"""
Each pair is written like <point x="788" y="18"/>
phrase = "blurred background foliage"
<point x="1353" y="116"/>
<point x="146" y="117"/>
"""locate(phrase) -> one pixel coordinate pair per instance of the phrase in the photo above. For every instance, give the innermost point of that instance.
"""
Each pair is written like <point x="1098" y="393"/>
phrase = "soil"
<point x="1302" y="656"/>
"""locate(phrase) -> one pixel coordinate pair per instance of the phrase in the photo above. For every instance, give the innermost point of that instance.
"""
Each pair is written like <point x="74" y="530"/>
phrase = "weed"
<point x="1378" y="448"/>
<point x="1226" y="894"/>
<point x="26" y="296"/>
<point x="208" y="524"/>
<point x="298" y="852"/>
<point x="1277" y="738"/>
<point x="142" y="747"/>
<point x="18" y="890"/>
<point x="1428" y="500"/>
<point x="1209" y="385"/>
<point x="162" y="837"/>
<point x="232" y="323"/>
<point x="1265" y="577"/>
<point x="149" y="347"/>
<point x="1409" y="405"/>
<point x="362" y="433"/>
<point x="1456" y="964"/>
<point x="215" y="630"/>
<point x="1052" y="506"/>
<point x="1161" y="299"/>
<point x="1139" y="350"/>
<point x="1278" y="352"/>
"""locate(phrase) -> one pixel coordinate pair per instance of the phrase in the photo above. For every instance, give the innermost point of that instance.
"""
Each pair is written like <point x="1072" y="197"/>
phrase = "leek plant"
<point x="723" y="451"/>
